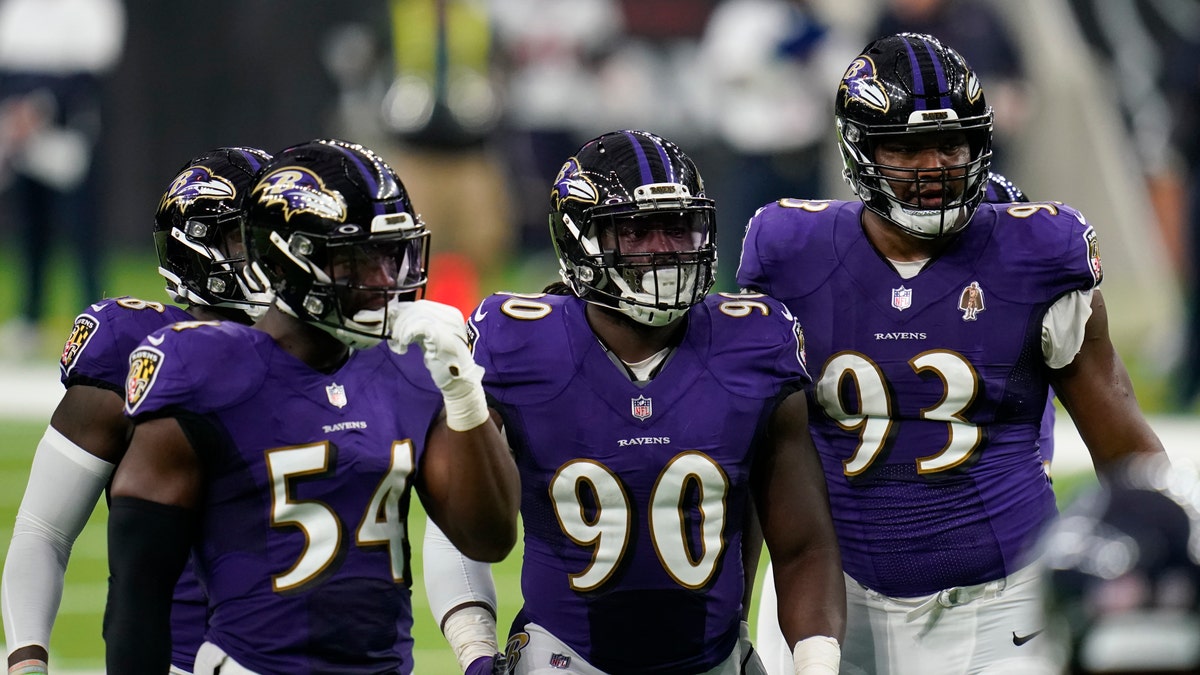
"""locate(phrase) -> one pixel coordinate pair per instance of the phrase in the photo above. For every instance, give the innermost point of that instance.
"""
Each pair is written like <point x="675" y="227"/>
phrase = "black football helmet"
<point x="331" y="230"/>
<point x="1001" y="190"/>
<point x="634" y="180"/>
<point x="913" y="84"/>
<point x="1123" y="573"/>
<point x="197" y="230"/>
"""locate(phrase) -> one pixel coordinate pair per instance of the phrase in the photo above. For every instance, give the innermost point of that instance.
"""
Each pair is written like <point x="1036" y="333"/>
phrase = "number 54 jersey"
<point x="304" y="550"/>
<point x="634" y="494"/>
<point x="927" y="406"/>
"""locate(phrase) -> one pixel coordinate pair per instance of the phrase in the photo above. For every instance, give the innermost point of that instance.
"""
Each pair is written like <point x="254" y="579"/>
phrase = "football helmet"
<point x="197" y="230"/>
<point x="633" y="228"/>
<point x="1001" y="190"/>
<point x="331" y="230"/>
<point x="909" y="84"/>
<point x="1123" y="573"/>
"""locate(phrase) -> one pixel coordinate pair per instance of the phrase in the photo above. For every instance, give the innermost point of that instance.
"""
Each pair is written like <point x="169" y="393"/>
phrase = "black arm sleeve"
<point x="148" y="546"/>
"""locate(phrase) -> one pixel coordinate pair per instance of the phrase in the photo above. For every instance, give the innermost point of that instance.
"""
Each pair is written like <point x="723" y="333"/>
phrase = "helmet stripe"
<point x="918" y="77"/>
<point x="920" y="74"/>
<point x="643" y="163"/>
<point x="940" y="74"/>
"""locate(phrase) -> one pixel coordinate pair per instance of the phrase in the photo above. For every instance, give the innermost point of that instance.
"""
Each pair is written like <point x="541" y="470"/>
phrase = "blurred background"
<point x="477" y="103"/>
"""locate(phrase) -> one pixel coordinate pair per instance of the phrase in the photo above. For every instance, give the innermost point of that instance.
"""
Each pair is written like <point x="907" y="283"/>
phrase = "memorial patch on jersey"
<point x="336" y="394"/>
<point x="1093" y="253"/>
<point x="83" y="330"/>
<point x="144" y="363"/>
<point x="642" y="408"/>
<point x="902" y="298"/>
<point x="970" y="301"/>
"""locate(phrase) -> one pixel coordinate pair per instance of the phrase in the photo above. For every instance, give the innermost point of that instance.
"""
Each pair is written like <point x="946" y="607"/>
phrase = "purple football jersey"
<point x="931" y="390"/>
<point x="304" y="550"/>
<point x="97" y="355"/>
<point x="634" y="494"/>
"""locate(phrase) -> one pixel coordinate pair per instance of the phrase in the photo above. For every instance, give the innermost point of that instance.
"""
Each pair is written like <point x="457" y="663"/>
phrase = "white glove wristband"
<point x="471" y="632"/>
<point x="817" y="655"/>
<point x="466" y="406"/>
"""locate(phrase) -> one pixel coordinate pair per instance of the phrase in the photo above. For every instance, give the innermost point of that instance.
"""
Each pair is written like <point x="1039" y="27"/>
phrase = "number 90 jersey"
<point x="931" y="389"/>
<point x="304" y="549"/>
<point x="634" y="494"/>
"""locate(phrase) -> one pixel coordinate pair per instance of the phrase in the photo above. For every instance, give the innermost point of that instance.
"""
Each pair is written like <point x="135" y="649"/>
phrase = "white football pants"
<point x="987" y="629"/>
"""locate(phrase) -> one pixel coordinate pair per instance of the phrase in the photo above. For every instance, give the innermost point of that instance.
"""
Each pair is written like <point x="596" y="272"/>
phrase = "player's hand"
<point x="441" y="333"/>
<point x="488" y="665"/>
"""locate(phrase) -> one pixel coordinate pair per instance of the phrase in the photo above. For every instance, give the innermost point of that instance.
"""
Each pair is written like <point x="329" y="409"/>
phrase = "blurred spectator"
<point x="54" y="55"/>
<point x="980" y="34"/>
<point x="1151" y="52"/>
<point x="444" y="108"/>
<point x="549" y="51"/>
<point x="764" y="59"/>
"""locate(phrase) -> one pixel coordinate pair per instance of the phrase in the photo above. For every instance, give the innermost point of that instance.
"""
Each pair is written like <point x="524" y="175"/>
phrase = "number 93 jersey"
<point x="304" y="549"/>
<point x="931" y="389"/>
<point x="634" y="494"/>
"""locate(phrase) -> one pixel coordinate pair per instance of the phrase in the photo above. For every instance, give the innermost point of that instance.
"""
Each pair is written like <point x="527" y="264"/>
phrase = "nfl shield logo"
<point x="902" y="298"/>
<point x="642" y="408"/>
<point x="336" y="394"/>
<point x="560" y="661"/>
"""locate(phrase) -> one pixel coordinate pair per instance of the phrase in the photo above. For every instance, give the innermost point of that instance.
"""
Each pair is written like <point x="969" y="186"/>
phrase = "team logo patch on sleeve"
<point x="1093" y="254"/>
<point x="144" y="364"/>
<point x="83" y="330"/>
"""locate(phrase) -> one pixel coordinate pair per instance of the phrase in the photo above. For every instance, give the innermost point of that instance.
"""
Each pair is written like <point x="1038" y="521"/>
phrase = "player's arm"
<point x="793" y="508"/>
<point x="72" y="464"/>
<point x="462" y="597"/>
<point x="469" y="486"/>
<point x="752" y="542"/>
<point x="468" y="480"/>
<point x="1096" y="390"/>
<point x="151" y="525"/>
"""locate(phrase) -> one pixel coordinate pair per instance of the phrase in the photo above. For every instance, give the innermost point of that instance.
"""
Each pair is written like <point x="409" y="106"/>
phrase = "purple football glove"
<point x="488" y="665"/>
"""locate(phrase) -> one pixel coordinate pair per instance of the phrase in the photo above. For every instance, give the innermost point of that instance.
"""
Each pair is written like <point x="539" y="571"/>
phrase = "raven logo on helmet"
<point x="861" y="85"/>
<point x="196" y="182"/>
<point x="571" y="184"/>
<point x="299" y="190"/>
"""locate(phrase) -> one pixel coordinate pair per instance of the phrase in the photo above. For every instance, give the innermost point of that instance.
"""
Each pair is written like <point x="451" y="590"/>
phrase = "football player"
<point x="927" y="415"/>
<point x="1123" y="574"/>
<point x="287" y="452"/>
<point x="649" y="421"/>
<point x="201" y="256"/>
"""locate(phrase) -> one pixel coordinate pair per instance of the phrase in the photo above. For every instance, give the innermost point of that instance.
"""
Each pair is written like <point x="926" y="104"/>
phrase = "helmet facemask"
<point x="343" y="284"/>
<point x="204" y="260"/>
<point x="897" y="193"/>
<point x="651" y="260"/>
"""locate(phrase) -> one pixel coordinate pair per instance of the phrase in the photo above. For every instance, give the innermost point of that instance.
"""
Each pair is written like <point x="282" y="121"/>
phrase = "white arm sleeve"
<point x="451" y="581"/>
<point x="451" y="578"/>
<point x="64" y="484"/>
<point x="1062" y="328"/>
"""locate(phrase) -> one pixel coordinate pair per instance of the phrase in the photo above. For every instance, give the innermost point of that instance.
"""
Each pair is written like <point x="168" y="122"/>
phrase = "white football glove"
<point x="442" y="334"/>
